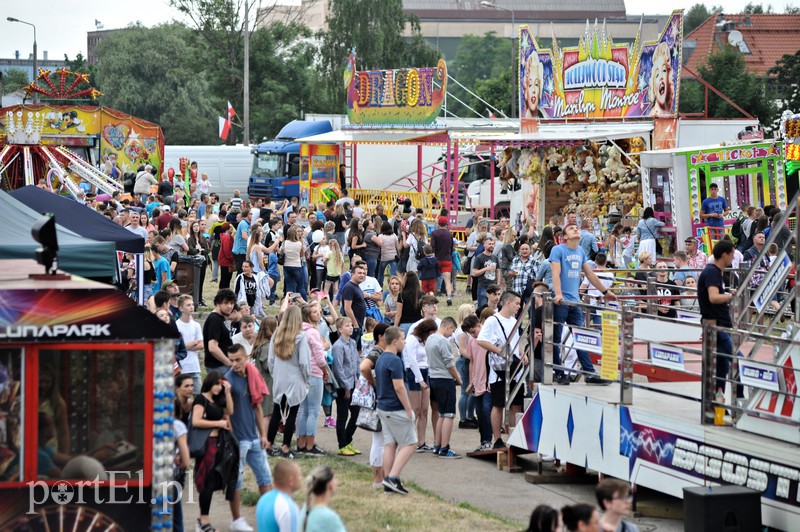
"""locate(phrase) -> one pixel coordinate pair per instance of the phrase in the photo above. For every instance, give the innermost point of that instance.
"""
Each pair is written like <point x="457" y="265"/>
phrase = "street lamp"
<point x="514" y="73"/>
<point x="35" y="70"/>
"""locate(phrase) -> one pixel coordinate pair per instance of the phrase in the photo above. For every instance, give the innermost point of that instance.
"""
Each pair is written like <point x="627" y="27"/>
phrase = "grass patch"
<point x="363" y="508"/>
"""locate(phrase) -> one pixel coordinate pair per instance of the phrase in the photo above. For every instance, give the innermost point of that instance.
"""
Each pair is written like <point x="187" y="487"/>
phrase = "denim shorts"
<point x="414" y="386"/>
<point x="250" y="451"/>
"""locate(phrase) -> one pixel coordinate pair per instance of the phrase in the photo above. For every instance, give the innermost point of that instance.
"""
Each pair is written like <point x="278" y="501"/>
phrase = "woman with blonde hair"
<point x="417" y="238"/>
<point x="290" y="366"/>
<point x="334" y="265"/>
<point x="309" y="408"/>
<point x="316" y="515"/>
<point x="255" y="249"/>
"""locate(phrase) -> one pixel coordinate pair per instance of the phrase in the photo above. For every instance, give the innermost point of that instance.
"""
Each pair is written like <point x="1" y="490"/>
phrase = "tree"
<point x="696" y="15"/>
<point x="727" y="72"/>
<point x="483" y="65"/>
<point x="757" y="9"/>
<point x="14" y="79"/>
<point x="786" y="74"/>
<point x="153" y="74"/>
<point x="376" y="30"/>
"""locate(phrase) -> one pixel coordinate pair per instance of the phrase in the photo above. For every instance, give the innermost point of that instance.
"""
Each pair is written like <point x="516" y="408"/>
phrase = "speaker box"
<point x="721" y="509"/>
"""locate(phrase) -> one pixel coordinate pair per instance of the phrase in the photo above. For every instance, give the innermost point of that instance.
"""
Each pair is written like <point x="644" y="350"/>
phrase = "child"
<point x="192" y="335"/>
<point x="628" y="242"/>
<point x="429" y="270"/>
<point x="161" y="267"/>
<point x="319" y="255"/>
<point x="334" y="264"/>
<point x="236" y="201"/>
<point x="275" y="275"/>
<point x="345" y="370"/>
<point x="329" y="392"/>
<point x="367" y="339"/>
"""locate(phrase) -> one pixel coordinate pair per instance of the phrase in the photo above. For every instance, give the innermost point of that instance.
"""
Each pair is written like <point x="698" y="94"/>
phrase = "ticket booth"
<point x="675" y="182"/>
<point x="85" y="406"/>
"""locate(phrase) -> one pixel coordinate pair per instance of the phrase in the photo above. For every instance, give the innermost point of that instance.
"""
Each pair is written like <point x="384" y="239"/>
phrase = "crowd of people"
<point x="373" y="343"/>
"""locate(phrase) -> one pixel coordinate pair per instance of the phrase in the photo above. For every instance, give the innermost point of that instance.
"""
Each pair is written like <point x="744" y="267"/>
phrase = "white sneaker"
<point x="240" y="525"/>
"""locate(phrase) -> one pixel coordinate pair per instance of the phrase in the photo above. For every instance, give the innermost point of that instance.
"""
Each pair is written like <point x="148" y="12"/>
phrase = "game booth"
<point x="675" y="183"/>
<point x="86" y="410"/>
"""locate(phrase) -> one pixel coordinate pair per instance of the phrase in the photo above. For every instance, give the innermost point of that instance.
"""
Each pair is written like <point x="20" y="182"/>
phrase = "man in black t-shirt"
<point x="714" y="302"/>
<point x="484" y="269"/>
<point x="216" y="335"/>
<point x="355" y="306"/>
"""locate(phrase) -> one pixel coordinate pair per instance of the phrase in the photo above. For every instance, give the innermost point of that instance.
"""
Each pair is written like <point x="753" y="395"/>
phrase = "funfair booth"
<point x="85" y="406"/>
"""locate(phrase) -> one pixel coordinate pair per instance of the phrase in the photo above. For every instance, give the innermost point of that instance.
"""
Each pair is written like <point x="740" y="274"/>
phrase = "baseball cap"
<point x="443" y="220"/>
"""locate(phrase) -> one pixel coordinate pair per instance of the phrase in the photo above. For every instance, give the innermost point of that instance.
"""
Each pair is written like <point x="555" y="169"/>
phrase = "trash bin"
<point x="187" y="276"/>
<point x="721" y="509"/>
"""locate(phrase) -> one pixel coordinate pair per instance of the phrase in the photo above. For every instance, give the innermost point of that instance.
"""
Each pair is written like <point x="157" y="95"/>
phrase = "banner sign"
<point x="773" y="280"/>
<point x="610" y="360"/>
<point x="667" y="356"/>
<point x="600" y="79"/>
<point x="759" y="375"/>
<point x="401" y="96"/>
<point x="587" y="340"/>
<point x="319" y="168"/>
<point x="736" y="154"/>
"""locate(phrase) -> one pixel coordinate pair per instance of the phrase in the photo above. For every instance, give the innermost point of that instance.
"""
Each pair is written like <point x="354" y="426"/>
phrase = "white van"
<point x="228" y="167"/>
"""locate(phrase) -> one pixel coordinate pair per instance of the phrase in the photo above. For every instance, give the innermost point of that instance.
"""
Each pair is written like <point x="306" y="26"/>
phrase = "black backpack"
<point x="420" y="252"/>
<point x="736" y="229"/>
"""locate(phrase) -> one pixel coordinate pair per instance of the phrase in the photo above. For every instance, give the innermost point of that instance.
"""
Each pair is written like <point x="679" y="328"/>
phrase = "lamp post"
<point x="514" y="74"/>
<point x="35" y="70"/>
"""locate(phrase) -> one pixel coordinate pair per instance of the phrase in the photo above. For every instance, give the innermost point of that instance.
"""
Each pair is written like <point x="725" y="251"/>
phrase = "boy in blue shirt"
<point x="567" y="262"/>
<point x="714" y="208"/>
<point x="161" y="267"/>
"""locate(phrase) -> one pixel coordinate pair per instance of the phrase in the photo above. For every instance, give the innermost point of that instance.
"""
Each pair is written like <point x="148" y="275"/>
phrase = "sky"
<point x="61" y="26"/>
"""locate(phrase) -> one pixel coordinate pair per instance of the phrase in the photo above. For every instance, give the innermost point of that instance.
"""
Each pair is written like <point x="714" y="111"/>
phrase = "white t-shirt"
<point x="358" y="212"/>
<point x="190" y="331"/>
<point x="414" y="325"/>
<point x="606" y="277"/>
<point x="323" y="252"/>
<point x="239" y="338"/>
<point x="495" y="330"/>
<point x="138" y="230"/>
<point x="370" y="286"/>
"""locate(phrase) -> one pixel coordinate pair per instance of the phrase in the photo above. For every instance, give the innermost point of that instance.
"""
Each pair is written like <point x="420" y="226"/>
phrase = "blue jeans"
<point x="294" y="280"/>
<point x="482" y="298"/>
<point x="250" y="451"/>
<point x="392" y="264"/>
<point x="405" y="327"/>
<point x="483" y="409"/>
<point x="725" y="347"/>
<point x="309" y="409"/>
<point x="572" y="316"/>
<point x="177" y="510"/>
<point x="466" y="403"/>
<point x="372" y="265"/>
<point x="273" y="294"/>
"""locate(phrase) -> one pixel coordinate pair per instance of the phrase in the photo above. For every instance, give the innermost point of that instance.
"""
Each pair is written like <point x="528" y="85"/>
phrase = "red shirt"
<point x="163" y="221"/>
<point x="225" y="257"/>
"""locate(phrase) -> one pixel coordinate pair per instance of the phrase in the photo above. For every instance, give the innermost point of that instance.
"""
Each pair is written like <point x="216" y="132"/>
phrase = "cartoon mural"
<point x="600" y="79"/>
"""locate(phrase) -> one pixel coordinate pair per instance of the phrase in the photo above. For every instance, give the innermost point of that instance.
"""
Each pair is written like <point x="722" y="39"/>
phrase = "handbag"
<point x="198" y="440"/>
<point x="368" y="420"/>
<point x="363" y="394"/>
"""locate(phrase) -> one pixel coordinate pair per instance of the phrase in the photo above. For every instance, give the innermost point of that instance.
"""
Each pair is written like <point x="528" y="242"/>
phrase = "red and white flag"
<point x="225" y="123"/>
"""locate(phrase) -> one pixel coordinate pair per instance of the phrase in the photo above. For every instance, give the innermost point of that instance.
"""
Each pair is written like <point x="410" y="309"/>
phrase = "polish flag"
<point x="224" y="128"/>
<point x="231" y="112"/>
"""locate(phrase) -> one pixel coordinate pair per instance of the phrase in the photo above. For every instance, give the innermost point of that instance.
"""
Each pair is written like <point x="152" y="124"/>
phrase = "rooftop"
<point x="764" y="39"/>
<point x="523" y="9"/>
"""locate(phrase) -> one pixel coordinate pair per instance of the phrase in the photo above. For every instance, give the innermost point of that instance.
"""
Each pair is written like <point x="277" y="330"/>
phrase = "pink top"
<point x="480" y="373"/>
<point x="318" y="362"/>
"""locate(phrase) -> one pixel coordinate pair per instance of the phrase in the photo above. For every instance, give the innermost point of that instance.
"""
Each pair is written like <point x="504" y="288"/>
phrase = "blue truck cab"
<point x="276" y="163"/>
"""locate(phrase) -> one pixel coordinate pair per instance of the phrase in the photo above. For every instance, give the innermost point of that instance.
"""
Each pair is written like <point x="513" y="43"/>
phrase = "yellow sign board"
<point x="610" y="356"/>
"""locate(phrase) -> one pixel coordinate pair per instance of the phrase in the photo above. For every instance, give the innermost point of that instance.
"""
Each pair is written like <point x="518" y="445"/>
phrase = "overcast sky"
<point x="65" y="32"/>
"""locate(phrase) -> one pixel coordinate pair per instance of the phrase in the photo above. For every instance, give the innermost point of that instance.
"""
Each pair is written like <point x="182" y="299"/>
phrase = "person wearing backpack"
<point x="497" y="332"/>
<point x="413" y="246"/>
<point x="742" y="228"/>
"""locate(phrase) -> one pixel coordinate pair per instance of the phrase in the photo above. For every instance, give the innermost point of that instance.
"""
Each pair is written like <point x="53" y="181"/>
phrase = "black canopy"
<point x="79" y="218"/>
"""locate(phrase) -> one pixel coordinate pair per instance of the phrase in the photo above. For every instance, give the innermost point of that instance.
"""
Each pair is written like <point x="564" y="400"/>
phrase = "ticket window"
<point x="741" y="184"/>
<point x="90" y="413"/>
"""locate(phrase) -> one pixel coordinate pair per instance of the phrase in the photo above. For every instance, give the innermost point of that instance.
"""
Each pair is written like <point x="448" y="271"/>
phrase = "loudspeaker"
<point x="721" y="509"/>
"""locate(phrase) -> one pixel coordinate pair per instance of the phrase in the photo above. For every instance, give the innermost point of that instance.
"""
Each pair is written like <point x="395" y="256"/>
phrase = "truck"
<point x="276" y="163"/>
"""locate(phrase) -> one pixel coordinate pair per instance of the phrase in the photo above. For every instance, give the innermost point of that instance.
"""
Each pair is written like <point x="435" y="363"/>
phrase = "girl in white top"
<point x="416" y="362"/>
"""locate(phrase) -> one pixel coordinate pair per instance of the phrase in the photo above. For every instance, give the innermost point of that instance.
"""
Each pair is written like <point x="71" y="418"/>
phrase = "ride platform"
<point x="659" y="442"/>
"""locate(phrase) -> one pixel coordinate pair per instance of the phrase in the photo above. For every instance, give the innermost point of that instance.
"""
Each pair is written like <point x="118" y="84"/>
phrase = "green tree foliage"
<point x="786" y="74"/>
<point x="483" y="65"/>
<point x="153" y="74"/>
<point x="696" y="15"/>
<point x="376" y="30"/>
<point x="757" y="9"/>
<point x="726" y="71"/>
<point x="14" y="79"/>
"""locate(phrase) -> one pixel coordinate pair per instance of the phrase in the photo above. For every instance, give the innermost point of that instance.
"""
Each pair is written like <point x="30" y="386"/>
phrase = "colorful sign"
<point x="772" y="282"/>
<point x="319" y="167"/>
<point x="600" y="79"/>
<point x="610" y="359"/>
<point x="735" y="154"/>
<point x="759" y="375"/>
<point x="667" y="356"/>
<point x="401" y="96"/>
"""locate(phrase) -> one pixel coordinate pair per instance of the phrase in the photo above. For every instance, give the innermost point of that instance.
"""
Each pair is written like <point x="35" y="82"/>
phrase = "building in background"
<point x="445" y="22"/>
<point x="26" y="64"/>
<point x="762" y="40"/>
